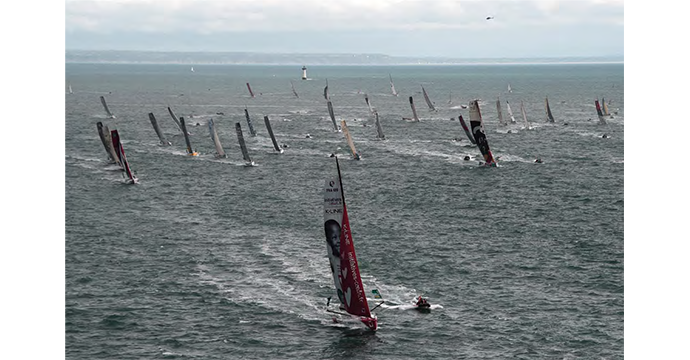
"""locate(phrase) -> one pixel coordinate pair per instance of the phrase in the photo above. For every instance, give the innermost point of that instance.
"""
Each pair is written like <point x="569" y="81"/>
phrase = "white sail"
<point x="500" y="113"/>
<point x="395" y="93"/>
<point x="220" y="153"/>
<point x="350" y="143"/>
<point x="510" y="112"/>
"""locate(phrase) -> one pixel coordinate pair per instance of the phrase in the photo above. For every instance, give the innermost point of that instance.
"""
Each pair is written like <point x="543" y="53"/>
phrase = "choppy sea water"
<point x="208" y="259"/>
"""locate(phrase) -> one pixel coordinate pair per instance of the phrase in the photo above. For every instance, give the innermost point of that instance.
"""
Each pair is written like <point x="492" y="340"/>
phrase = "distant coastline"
<point x="251" y="58"/>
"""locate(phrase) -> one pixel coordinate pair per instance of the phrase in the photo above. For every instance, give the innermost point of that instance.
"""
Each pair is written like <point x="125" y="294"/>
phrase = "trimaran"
<point x="340" y="248"/>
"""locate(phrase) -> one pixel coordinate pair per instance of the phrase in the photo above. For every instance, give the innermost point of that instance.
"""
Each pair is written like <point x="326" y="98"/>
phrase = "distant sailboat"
<point x="500" y="113"/>
<point x="105" y="106"/>
<point x="177" y="122"/>
<point x="395" y="93"/>
<point x="600" y="114"/>
<point x="273" y="138"/>
<point x="332" y="115"/>
<point x="379" y="129"/>
<point x="479" y="134"/>
<point x="161" y="137"/>
<point x="69" y="88"/>
<point x="251" y="93"/>
<point x="350" y="143"/>
<point x="510" y="113"/>
<point x="510" y="90"/>
<point x="220" y="153"/>
<point x="325" y="91"/>
<point x="414" y="110"/>
<point x="293" y="89"/>
<point x="524" y="116"/>
<point x="106" y="139"/>
<point x="249" y="123"/>
<point x="366" y="99"/>
<point x="428" y="102"/>
<point x="467" y="130"/>
<point x="123" y="159"/>
<point x="605" y="108"/>
<point x="549" y="115"/>
<point x="243" y="147"/>
<point x="190" y="152"/>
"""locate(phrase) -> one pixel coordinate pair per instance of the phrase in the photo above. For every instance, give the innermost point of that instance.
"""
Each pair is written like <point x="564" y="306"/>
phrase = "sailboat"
<point x="510" y="90"/>
<point x="106" y="139"/>
<point x="220" y="153"/>
<point x="249" y="123"/>
<point x="161" y="137"/>
<point x="379" y="129"/>
<point x="293" y="89"/>
<point x="177" y="122"/>
<point x="245" y="153"/>
<point x="510" y="113"/>
<point x="395" y="93"/>
<point x="190" y="152"/>
<point x="549" y="115"/>
<point x="500" y="113"/>
<point x="332" y="115"/>
<point x="467" y="130"/>
<point x="366" y="99"/>
<point x="479" y="134"/>
<point x="605" y="108"/>
<point x="123" y="159"/>
<point x="251" y="93"/>
<point x="273" y="138"/>
<point x="69" y="88"/>
<point x="340" y="248"/>
<point x="325" y="91"/>
<point x="105" y="106"/>
<point x="428" y="102"/>
<point x="600" y="114"/>
<point x="524" y="116"/>
<point x="350" y="143"/>
<point x="414" y="111"/>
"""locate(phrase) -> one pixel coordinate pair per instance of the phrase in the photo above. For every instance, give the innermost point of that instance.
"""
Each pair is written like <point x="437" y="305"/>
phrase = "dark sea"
<point x="206" y="258"/>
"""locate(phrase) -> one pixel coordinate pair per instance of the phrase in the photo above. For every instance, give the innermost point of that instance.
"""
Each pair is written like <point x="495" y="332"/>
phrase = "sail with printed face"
<point x="344" y="266"/>
<point x="478" y="133"/>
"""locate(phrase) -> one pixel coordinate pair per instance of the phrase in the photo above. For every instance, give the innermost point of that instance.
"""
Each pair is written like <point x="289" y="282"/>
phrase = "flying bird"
<point x="489" y="17"/>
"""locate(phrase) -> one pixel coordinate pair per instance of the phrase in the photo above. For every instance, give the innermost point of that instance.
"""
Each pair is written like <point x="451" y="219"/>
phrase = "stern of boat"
<point x="371" y="322"/>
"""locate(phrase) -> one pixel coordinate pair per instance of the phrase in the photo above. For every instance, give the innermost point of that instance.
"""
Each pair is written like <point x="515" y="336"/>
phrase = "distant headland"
<point x="254" y="58"/>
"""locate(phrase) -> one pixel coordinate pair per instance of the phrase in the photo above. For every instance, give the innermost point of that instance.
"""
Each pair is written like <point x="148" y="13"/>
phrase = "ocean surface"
<point x="206" y="258"/>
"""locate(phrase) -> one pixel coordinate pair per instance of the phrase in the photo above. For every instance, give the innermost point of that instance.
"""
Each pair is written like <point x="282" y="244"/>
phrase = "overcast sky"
<point x="454" y="28"/>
